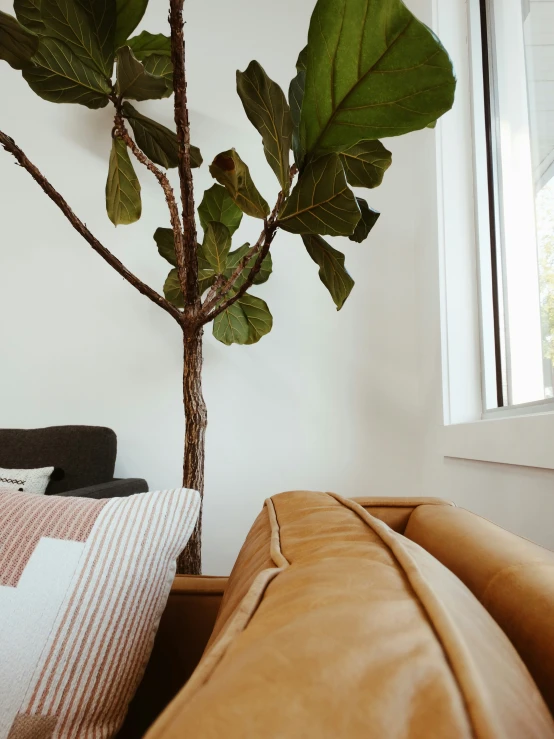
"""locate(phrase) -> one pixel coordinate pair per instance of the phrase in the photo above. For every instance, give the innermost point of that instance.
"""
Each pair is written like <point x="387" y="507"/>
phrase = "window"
<point x="518" y="71"/>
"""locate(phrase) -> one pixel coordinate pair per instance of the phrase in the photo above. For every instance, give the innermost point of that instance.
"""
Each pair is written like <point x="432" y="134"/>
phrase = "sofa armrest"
<point x="512" y="577"/>
<point x="112" y="489"/>
<point x="185" y="627"/>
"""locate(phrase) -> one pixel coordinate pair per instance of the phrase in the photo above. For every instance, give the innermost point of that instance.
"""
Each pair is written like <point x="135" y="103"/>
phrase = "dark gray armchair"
<point x="83" y="458"/>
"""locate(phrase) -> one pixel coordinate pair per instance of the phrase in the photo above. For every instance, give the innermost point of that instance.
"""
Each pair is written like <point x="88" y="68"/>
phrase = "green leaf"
<point x="28" y="14"/>
<point x="267" y="109"/>
<point x="172" y="290"/>
<point x="160" y="66"/>
<point x="166" y="248"/>
<point x="59" y="76"/>
<point x="88" y="29"/>
<point x="331" y="268"/>
<point x="231" y="172"/>
<point x="123" y="201"/>
<point x="218" y="205"/>
<point x="216" y="245"/>
<point x="133" y="81"/>
<point x="296" y="95"/>
<point x="17" y="44"/>
<point x="373" y="70"/>
<point x="146" y="44"/>
<point x="156" y="141"/>
<point x="245" y="322"/>
<point x="235" y="257"/>
<point x="321" y="201"/>
<point x="365" y="224"/>
<point x="166" y="244"/>
<point x="365" y="163"/>
<point x="129" y="15"/>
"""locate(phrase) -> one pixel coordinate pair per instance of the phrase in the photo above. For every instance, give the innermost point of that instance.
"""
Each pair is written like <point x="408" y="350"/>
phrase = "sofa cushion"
<point x="512" y="577"/>
<point x="352" y="630"/>
<point x="83" y="584"/>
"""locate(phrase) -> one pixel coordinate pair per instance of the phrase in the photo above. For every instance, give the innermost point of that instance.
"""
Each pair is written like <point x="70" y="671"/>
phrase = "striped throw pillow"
<point x="83" y="584"/>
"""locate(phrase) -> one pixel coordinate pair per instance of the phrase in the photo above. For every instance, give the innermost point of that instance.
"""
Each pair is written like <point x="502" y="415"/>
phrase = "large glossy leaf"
<point x="365" y="224"/>
<point x="216" y="245"/>
<point x="129" y="15"/>
<point x="172" y="290"/>
<point x="157" y="142"/>
<point x="321" y="201"/>
<point x="123" y="201"/>
<point x="147" y="43"/>
<point x="267" y="109"/>
<point x="332" y="271"/>
<point x="231" y="172"/>
<point x="28" y="13"/>
<point x="133" y="81"/>
<point x="88" y="29"/>
<point x="218" y="205"/>
<point x="17" y="44"/>
<point x="365" y="163"/>
<point x="245" y="322"/>
<point x="373" y="70"/>
<point x="296" y="95"/>
<point x="59" y="76"/>
<point x="235" y="257"/>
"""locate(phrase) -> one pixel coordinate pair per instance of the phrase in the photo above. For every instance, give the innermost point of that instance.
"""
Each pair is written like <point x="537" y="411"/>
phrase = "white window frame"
<point x="518" y="435"/>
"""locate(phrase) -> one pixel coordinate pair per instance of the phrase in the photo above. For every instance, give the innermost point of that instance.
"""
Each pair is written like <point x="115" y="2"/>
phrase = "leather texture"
<point x="350" y="629"/>
<point x="512" y="577"/>
<point x="184" y="630"/>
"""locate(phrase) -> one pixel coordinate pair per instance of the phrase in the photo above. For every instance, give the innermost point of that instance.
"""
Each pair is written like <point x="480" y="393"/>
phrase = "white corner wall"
<point x="347" y="401"/>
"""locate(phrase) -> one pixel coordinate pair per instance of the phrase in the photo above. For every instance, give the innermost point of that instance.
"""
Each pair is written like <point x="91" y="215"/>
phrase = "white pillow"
<point x="26" y="481"/>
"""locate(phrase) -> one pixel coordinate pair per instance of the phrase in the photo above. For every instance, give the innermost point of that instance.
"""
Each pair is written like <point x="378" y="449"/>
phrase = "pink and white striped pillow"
<point x="83" y="584"/>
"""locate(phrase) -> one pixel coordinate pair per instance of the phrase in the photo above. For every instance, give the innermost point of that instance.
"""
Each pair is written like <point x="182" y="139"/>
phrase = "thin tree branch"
<point x="120" y="130"/>
<point x="11" y="147"/>
<point x="190" y="288"/>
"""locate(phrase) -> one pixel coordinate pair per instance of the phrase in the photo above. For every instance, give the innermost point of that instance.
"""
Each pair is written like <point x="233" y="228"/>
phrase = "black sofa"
<point x="83" y="458"/>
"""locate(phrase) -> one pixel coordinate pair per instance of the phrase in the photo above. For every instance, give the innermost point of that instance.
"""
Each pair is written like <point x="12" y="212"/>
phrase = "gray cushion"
<point x="86" y="454"/>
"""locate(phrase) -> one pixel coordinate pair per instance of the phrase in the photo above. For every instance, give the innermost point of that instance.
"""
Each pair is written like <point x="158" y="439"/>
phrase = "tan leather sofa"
<point x="334" y="624"/>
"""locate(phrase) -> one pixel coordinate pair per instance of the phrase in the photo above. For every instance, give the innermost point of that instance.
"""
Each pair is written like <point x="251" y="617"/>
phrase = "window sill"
<point x="526" y="440"/>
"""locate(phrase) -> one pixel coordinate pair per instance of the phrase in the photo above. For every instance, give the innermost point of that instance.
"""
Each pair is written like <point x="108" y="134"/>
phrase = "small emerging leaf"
<point x="123" y="201"/>
<point x="218" y="205"/>
<point x="129" y="15"/>
<point x="216" y="245"/>
<point x="245" y="322"/>
<point x="146" y="44"/>
<point x="17" y="44"/>
<point x="59" y="76"/>
<point x="321" y="201"/>
<point x="231" y="172"/>
<point x="156" y="141"/>
<point x="365" y="163"/>
<point x="133" y="81"/>
<point x="332" y="271"/>
<point x="235" y="257"/>
<point x="267" y="109"/>
<point x="365" y="224"/>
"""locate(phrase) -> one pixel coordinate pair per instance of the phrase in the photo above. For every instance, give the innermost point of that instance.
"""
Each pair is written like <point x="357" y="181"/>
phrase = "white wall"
<point x="347" y="401"/>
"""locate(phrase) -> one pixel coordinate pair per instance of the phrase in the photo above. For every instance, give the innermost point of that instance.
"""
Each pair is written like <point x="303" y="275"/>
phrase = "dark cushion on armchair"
<point x="86" y="454"/>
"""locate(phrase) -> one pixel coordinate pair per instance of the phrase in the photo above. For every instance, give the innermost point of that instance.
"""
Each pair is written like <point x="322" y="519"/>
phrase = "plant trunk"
<point x="196" y="419"/>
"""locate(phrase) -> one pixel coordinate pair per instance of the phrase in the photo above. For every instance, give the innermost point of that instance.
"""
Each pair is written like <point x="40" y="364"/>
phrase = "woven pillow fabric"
<point x="83" y="584"/>
<point x="26" y="481"/>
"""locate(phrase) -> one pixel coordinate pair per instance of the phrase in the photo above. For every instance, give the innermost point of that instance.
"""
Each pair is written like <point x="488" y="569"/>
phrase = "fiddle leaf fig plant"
<point x="369" y="70"/>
